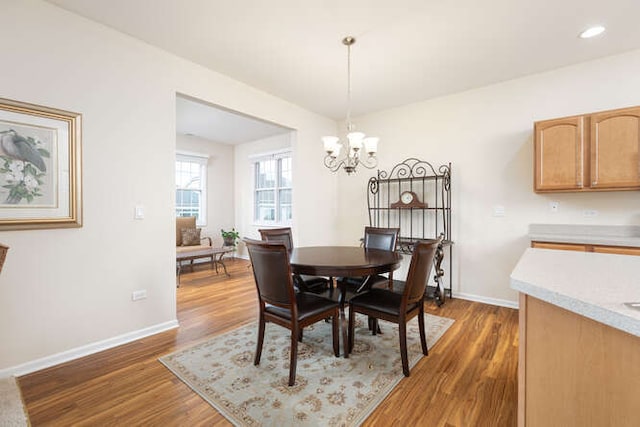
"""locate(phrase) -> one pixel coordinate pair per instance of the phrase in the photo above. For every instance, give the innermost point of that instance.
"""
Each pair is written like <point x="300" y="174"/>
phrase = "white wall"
<point x="487" y="135"/>
<point x="220" y="178"/>
<point x="66" y="292"/>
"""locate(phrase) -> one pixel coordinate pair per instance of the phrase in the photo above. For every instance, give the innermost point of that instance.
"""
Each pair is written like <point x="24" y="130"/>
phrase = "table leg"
<point x="342" y="299"/>
<point x="178" y="271"/>
<point x="224" y="267"/>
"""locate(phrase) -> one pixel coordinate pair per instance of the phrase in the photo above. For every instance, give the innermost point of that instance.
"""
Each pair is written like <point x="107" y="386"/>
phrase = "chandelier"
<point x="357" y="141"/>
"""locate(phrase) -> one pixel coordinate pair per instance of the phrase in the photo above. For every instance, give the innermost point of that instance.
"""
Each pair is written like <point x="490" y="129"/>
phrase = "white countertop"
<point x="612" y="235"/>
<point x="590" y="284"/>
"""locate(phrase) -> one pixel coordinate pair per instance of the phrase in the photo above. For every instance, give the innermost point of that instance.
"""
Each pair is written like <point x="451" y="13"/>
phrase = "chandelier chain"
<point x="349" y="43"/>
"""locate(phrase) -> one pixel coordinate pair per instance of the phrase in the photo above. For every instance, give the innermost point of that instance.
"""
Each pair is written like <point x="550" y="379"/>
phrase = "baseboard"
<point x="487" y="300"/>
<point x="86" y="350"/>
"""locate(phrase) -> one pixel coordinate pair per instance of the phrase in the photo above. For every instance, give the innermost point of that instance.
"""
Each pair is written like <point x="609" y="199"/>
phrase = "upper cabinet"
<point x="593" y="152"/>
<point x="560" y="154"/>
<point x="615" y="145"/>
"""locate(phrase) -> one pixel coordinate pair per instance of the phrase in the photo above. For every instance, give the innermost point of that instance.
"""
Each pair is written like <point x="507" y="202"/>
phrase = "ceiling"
<point x="196" y="118"/>
<point x="406" y="50"/>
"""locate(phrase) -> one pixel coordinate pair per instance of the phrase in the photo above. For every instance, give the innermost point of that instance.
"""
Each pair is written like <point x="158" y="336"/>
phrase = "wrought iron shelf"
<point x="431" y="185"/>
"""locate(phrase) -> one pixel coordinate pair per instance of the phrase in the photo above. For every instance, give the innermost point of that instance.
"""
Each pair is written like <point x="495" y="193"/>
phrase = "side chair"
<point x="279" y="302"/>
<point x="303" y="282"/>
<point x="399" y="308"/>
<point x="374" y="238"/>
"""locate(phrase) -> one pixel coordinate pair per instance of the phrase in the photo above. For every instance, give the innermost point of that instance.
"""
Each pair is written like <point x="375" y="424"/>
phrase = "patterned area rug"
<point x="329" y="391"/>
<point x="12" y="412"/>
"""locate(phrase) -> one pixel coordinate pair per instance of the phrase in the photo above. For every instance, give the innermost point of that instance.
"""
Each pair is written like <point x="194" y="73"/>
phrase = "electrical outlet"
<point x="553" y="206"/>
<point x="498" y="211"/>
<point x="138" y="295"/>
<point x="589" y="213"/>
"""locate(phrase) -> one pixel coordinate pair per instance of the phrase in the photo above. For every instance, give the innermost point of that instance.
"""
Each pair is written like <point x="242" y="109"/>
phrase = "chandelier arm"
<point x="332" y="164"/>
<point x="370" y="162"/>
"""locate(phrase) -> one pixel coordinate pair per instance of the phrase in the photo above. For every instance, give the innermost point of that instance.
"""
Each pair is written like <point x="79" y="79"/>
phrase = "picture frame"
<point x="40" y="167"/>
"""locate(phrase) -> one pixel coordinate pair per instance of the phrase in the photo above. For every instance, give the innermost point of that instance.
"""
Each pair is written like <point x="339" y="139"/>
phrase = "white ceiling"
<point x="406" y="50"/>
<point x="196" y="118"/>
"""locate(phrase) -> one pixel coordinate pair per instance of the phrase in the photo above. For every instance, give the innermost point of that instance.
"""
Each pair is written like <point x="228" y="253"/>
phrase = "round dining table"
<point x="343" y="261"/>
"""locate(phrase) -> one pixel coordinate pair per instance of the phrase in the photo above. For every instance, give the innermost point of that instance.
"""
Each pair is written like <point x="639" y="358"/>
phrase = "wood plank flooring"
<point x="468" y="379"/>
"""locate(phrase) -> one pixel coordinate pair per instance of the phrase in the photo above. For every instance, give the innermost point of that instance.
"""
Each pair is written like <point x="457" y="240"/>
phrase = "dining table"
<point x="343" y="261"/>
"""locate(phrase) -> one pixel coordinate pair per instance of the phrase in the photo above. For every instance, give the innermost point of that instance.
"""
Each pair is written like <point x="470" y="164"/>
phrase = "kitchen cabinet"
<point x="591" y="152"/>
<point x="574" y="371"/>
<point x="579" y="343"/>
<point x="605" y="249"/>
<point x="559" y="154"/>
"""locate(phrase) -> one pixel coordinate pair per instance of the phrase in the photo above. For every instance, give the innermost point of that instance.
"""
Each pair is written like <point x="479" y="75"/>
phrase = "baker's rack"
<point x="428" y="217"/>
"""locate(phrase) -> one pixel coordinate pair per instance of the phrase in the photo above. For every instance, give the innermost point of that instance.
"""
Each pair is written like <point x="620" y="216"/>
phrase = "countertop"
<point x="590" y="284"/>
<point x="611" y="235"/>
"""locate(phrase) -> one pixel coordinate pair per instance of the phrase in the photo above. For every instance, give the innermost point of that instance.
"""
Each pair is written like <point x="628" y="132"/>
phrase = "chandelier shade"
<point x="356" y="141"/>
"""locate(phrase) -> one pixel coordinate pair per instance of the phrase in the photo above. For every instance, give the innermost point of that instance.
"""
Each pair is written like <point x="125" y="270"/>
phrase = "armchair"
<point x="186" y="250"/>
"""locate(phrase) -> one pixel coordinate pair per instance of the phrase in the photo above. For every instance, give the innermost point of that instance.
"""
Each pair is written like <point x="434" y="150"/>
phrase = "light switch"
<point x="139" y="212"/>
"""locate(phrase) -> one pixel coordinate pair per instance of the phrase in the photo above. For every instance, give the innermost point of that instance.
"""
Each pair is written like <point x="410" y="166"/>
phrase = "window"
<point x="191" y="187"/>
<point x="272" y="183"/>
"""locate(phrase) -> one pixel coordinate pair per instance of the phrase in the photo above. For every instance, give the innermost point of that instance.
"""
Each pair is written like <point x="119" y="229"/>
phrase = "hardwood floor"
<point x="468" y="379"/>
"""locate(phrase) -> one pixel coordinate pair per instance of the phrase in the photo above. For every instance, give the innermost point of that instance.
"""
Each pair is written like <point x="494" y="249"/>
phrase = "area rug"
<point x="329" y="391"/>
<point x="12" y="412"/>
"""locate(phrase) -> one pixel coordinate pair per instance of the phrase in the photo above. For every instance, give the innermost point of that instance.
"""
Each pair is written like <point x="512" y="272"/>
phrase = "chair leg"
<point x="260" y="340"/>
<point x="294" y="355"/>
<point x="335" y="326"/>
<point x="374" y="326"/>
<point x="402" y="326"/>
<point x="300" y="335"/>
<point x="423" y="336"/>
<point x="352" y="318"/>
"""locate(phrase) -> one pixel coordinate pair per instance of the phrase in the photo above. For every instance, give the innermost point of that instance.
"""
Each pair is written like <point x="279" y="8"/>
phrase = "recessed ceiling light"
<point x="592" y="32"/>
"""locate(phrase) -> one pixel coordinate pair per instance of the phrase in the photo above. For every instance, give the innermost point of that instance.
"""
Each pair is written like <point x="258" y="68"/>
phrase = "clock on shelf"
<point x="408" y="199"/>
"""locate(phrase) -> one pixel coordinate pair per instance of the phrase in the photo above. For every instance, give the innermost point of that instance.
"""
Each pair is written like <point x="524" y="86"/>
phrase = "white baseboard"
<point x="487" y="300"/>
<point x="86" y="350"/>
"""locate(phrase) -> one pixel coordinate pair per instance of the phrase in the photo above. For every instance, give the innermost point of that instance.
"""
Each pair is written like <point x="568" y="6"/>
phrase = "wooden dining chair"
<point x="399" y="308"/>
<point x="279" y="303"/>
<point x="303" y="282"/>
<point x="374" y="238"/>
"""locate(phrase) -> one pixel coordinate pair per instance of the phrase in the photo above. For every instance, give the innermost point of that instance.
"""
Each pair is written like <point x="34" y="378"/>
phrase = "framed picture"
<point x="40" y="167"/>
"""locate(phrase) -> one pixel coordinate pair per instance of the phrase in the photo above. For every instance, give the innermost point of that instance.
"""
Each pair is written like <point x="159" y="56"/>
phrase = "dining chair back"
<point x="304" y="283"/>
<point x="399" y="308"/>
<point x="283" y="235"/>
<point x="280" y="304"/>
<point x="272" y="273"/>
<point x="374" y="238"/>
<point x="381" y="238"/>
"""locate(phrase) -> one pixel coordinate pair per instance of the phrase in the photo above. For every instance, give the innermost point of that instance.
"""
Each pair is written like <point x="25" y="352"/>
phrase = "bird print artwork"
<point x="22" y="166"/>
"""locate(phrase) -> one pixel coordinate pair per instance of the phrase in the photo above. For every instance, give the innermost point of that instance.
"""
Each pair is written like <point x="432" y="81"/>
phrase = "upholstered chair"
<point x="303" y="282"/>
<point x="397" y="307"/>
<point x="279" y="303"/>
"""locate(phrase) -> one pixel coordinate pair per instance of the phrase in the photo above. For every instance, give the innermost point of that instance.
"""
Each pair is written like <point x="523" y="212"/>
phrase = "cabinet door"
<point x="559" y="154"/>
<point x="560" y="246"/>
<point x="615" y="143"/>
<point x="620" y="250"/>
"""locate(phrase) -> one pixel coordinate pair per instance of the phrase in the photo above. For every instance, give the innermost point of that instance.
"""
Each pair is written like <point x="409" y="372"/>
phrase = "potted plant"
<point x="229" y="237"/>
